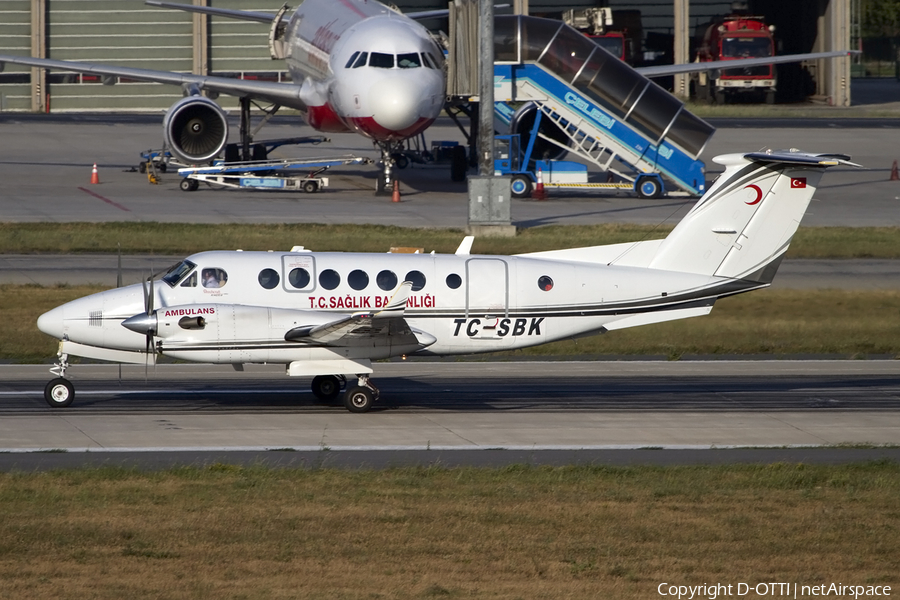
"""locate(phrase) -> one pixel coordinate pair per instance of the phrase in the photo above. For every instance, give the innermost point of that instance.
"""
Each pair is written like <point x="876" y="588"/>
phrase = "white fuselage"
<point x="459" y="304"/>
<point x="364" y="67"/>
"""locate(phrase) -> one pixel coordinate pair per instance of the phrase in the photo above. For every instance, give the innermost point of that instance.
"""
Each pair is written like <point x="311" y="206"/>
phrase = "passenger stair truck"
<point x="595" y="106"/>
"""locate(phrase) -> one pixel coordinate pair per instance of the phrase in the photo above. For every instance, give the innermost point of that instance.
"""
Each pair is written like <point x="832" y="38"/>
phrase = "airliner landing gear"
<point x="360" y="398"/>
<point x="384" y="185"/>
<point x="60" y="392"/>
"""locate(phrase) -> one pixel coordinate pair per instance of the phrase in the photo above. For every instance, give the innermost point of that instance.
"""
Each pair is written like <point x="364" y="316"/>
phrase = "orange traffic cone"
<point x="95" y="178"/>
<point x="895" y="176"/>
<point x="395" y="196"/>
<point x="539" y="193"/>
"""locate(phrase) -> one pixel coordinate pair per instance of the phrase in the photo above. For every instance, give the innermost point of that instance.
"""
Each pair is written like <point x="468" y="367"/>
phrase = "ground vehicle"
<point x="619" y="32"/>
<point x="734" y="37"/>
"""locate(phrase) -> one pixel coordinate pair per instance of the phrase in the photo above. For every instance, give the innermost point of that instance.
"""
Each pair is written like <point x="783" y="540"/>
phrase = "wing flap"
<point x="382" y="328"/>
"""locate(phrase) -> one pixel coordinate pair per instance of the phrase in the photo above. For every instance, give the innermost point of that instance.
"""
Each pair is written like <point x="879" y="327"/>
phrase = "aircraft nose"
<point x="395" y="103"/>
<point x="51" y="322"/>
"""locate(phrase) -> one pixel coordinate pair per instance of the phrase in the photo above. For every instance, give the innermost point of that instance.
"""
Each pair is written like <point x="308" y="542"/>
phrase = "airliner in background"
<point x="356" y="66"/>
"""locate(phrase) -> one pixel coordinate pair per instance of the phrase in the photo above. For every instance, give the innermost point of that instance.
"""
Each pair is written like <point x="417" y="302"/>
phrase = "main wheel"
<point x="401" y="161"/>
<point x="326" y="387"/>
<point x="520" y="186"/>
<point x="310" y="187"/>
<point x="359" y="399"/>
<point x="59" y="393"/>
<point x="648" y="187"/>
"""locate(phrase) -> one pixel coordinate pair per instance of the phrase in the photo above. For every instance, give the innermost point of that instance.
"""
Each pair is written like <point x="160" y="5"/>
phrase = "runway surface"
<point x="579" y="407"/>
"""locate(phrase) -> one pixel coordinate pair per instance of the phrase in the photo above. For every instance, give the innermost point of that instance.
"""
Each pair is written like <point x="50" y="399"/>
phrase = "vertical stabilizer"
<point x="742" y="226"/>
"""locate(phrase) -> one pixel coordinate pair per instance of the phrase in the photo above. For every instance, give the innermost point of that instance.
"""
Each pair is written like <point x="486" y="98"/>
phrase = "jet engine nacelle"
<point x="195" y="129"/>
<point x="522" y="122"/>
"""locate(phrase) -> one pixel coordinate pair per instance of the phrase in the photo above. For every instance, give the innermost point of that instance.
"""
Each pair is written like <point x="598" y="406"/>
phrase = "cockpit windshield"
<point x="409" y="61"/>
<point x="177" y="272"/>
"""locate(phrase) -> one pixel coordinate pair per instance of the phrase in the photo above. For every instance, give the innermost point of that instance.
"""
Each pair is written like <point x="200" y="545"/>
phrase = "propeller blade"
<point x="119" y="269"/>
<point x="150" y="305"/>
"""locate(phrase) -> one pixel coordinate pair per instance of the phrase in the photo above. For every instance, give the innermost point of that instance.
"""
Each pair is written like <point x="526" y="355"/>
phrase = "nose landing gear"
<point x="384" y="185"/>
<point x="60" y="392"/>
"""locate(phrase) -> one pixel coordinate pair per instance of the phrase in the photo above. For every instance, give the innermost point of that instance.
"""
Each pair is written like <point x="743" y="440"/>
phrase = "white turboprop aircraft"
<point x="329" y="315"/>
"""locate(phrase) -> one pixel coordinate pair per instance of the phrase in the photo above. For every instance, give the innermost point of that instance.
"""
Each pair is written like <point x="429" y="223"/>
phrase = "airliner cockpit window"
<point x="177" y="272"/>
<point x="361" y="61"/>
<point x="382" y="61"/>
<point x="430" y="61"/>
<point x="213" y="278"/>
<point x="352" y="58"/>
<point x="409" y="61"/>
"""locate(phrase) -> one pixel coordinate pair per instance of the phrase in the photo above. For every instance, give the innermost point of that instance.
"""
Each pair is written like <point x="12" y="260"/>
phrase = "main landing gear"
<point x="60" y="392"/>
<point x="357" y="398"/>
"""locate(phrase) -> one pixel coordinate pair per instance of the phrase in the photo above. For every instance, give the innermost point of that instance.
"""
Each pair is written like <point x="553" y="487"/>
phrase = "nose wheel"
<point x="59" y="393"/>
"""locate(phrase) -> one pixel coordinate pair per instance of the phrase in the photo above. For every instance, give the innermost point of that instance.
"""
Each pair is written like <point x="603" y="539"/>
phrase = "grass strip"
<point x="516" y="532"/>
<point x="182" y="239"/>
<point x="774" y="322"/>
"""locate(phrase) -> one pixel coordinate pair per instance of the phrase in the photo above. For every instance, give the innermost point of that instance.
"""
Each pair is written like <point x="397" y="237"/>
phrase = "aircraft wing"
<point x="385" y="327"/>
<point x="696" y="67"/>
<point x="284" y="94"/>
<point x="246" y="15"/>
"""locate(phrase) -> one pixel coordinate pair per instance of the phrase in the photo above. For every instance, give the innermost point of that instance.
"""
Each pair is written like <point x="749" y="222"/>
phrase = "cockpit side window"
<point x="361" y="61"/>
<point x="382" y="61"/>
<point x="190" y="280"/>
<point x="352" y="58"/>
<point x="214" y="278"/>
<point x="177" y="272"/>
<point x="428" y="60"/>
<point x="409" y="61"/>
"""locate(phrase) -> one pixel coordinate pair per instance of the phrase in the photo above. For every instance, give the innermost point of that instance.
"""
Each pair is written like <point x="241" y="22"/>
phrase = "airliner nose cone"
<point x="51" y="322"/>
<point x="395" y="103"/>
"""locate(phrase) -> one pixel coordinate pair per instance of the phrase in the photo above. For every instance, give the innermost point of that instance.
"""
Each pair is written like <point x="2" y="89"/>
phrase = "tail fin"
<point x="743" y="225"/>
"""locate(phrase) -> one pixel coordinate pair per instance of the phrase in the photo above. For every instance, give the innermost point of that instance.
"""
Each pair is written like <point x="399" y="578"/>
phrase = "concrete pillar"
<point x="201" y="41"/>
<point x="489" y="196"/>
<point x="682" y="46"/>
<point x="38" y="50"/>
<point x="520" y="7"/>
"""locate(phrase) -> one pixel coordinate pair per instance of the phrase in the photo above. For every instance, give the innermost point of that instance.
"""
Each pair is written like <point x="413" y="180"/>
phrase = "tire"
<point x="326" y="387"/>
<point x="720" y="97"/>
<point x="232" y="154"/>
<point x="459" y="168"/>
<point x="770" y="97"/>
<point x="310" y="187"/>
<point x="520" y="186"/>
<point x="162" y="167"/>
<point x="401" y="161"/>
<point x="648" y="187"/>
<point x="142" y="167"/>
<point x="359" y="399"/>
<point x="189" y="185"/>
<point x="59" y="393"/>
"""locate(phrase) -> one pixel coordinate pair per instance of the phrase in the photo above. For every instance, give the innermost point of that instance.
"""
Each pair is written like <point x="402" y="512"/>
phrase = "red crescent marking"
<point x="758" y="194"/>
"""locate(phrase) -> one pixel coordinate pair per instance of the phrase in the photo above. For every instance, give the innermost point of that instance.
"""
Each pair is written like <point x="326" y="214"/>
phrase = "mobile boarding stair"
<point x="607" y="113"/>
<point x="267" y="174"/>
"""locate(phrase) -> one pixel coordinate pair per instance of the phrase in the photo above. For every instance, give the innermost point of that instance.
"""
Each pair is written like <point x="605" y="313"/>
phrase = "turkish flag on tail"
<point x="798" y="182"/>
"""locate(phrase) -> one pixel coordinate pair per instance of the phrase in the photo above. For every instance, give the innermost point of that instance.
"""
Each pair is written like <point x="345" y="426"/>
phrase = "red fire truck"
<point x="618" y="31"/>
<point x="735" y="36"/>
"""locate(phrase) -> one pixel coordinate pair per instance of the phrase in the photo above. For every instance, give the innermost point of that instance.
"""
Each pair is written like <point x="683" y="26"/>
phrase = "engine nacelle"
<point x="195" y="129"/>
<point x="523" y="120"/>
